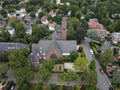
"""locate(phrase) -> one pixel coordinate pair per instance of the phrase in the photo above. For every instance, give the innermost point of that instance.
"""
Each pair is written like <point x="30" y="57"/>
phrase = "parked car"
<point x="91" y="51"/>
<point x="101" y="71"/>
<point x="12" y="87"/>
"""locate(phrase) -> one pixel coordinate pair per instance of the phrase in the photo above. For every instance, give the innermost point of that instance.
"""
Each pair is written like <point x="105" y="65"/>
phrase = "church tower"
<point x="64" y="28"/>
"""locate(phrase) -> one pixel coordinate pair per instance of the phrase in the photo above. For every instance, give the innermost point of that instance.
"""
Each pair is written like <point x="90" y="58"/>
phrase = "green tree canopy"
<point x="68" y="76"/>
<point x="5" y="36"/>
<point x="116" y="77"/>
<point x="44" y="74"/>
<point x="73" y="55"/>
<point x="107" y="57"/>
<point x="91" y="77"/>
<point x="92" y="65"/>
<point x="81" y="64"/>
<point x="48" y="64"/>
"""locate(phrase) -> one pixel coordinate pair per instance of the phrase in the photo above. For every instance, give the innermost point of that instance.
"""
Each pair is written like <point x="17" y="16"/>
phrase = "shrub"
<point x="80" y="49"/>
<point x="9" y="84"/>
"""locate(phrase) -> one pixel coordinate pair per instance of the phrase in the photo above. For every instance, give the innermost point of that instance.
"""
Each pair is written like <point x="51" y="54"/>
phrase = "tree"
<point x="81" y="64"/>
<point x="32" y="15"/>
<point x="48" y="65"/>
<point x="20" y="65"/>
<point x="20" y="31"/>
<point x="90" y="77"/>
<point x="116" y="77"/>
<point x="39" y="86"/>
<point x="5" y="36"/>
<point x="68" y="76"/>
<point x="3" y="70"/>
<point x="107" y="57"/>
<point x="23" y="74"/>
<point x="92" y="65"/>
<point x="80" y="33"/>
<point x="13" y="22"/>
<point x="3" y="12"/>
<point x="92" y="34"/>
<point x="73" y="55"/>
<point x="4" y="57"/>
<point x="24" y="87"/>
<point x="44" y="74"/>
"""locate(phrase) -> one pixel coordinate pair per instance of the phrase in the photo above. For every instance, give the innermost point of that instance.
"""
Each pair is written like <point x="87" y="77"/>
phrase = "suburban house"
<point x="44" y="20"/>
<point x="52" y="13"/>
<point x="115" y="37"/>
<point x="51" y="49"/>
<point x="21" y="12"/>
<point x="12" y="46"/>
<point x="28" y="28"/>
<point x="95" y="25"/>
<point x="52" y="26"/>
<point x="10" y="30"/>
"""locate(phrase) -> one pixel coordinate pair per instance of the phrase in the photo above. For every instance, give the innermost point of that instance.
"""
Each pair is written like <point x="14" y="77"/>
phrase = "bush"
<point x="80" y="49"/>
<point x="91" y="88"/>
<point x="39" y="86"/>
<point x="77" y="87"/>
<point x="4" y="57"/>
<point x="9" y="84"/>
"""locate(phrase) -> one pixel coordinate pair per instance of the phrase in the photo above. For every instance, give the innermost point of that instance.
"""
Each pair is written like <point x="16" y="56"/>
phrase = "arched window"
<point x="53" y="56"/>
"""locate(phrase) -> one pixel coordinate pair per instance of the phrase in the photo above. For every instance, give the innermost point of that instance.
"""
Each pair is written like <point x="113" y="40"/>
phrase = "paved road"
<point x="103" y="81"/>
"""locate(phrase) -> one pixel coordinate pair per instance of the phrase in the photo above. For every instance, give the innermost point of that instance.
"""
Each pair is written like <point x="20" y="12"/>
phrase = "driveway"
<point x="103" y="80"/>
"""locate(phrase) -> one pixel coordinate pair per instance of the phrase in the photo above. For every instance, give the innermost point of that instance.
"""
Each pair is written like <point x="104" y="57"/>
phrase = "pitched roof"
<point x="12" y="46"/>
<point x="61" y="46"/>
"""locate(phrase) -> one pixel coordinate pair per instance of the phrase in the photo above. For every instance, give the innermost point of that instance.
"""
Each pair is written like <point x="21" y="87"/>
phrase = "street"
<point x="103" y="81"/>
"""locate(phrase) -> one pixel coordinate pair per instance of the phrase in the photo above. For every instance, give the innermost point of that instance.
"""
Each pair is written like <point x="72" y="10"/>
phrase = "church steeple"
<point x="64" y="28"/>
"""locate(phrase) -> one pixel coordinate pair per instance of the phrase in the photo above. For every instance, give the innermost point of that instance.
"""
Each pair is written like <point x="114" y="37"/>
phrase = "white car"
<point x="91" y="51"/>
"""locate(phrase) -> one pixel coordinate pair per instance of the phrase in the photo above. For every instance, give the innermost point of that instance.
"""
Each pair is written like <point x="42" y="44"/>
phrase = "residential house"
<point x="11" y="14"/>
<point x="44" y="20"/>
<point x="11" y="30"/>
<point x="11" y="46"/>
<point x="28" y="28"/>
<point x="61" y="30"/>
<point x="95" y="25"/>
<point x="21" y="12"/>
<point x="106" y="45"/>
<point x="52" y="13"/>
<point x="115" y="37"/>
<point x="51" y="49"/>
<point x="52" y="26"/>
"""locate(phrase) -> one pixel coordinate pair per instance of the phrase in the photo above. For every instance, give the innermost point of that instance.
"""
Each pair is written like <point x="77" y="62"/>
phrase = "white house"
<point x="115" y="37"/>
<point x="28" y="29"/>
<point x="21" y="12"/>
<point x="11" y="30"/>
<point x="44" y="20"/>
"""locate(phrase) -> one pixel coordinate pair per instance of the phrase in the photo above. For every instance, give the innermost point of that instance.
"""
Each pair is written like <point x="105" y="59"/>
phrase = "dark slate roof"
<point x="58" y="28"/>
<point x="55" y="35"/>
<point x="45" y="45"/>
<point x="106" y="45"/>
<point x="12" y="46"/>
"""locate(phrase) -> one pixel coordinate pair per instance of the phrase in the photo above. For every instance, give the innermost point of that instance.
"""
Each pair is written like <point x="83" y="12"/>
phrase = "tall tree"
<point x="107" y="57"/>
<point x="20" y="31"/>
<point x="81" y="64"/>
<point x="90" y="77"/>
<point x="68" y="76"/>
<point x="5" y="36"/>
<point x="116" y="77"/>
